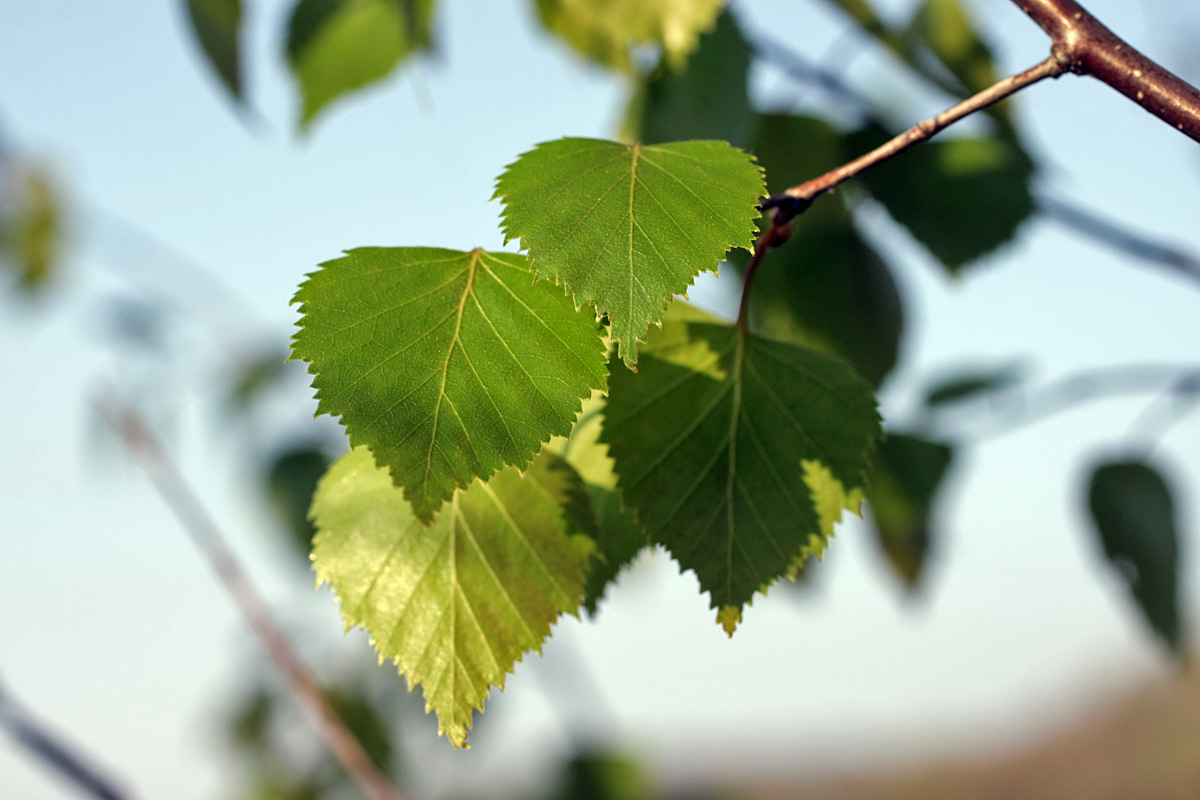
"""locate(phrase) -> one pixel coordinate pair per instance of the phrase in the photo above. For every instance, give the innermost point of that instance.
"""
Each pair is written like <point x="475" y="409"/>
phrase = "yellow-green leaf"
<point x="457" y="604"/>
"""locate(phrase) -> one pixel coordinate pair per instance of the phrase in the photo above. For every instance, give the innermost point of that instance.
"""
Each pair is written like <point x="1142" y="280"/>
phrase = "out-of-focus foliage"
<point x="291" y="480"/>
<point x="971" y="385"/>
<point x="338" y="46"/>
<point x="31" y="225"/>
<point x="626" y="227"/>
<point x="217" y="25"/>
<point x="945" y="29"/>
<point x="707" y="100"/>
<point x="1134" y="515"/>
<point x="961" y="198"/>
<point x="903" y="488"/>
<point x="827" y="287"/>
<point x="606" y="31"/>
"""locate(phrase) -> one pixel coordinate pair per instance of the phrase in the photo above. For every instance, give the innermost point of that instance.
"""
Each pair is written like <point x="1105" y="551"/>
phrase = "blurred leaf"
<point x="218" y="26"/>
<point x="250" y="720"/>
<point x="729" y="447"/>
<point x="618" y="536"/>
<point x="1134" y="515"/>
<point x="707" y="100"/>
<point x="961" y="198"/>
<point x="253" y="376"/>
<point x="268" y="786"/>
<point x="367" y="726"/>
<point x="291" y="480"/>
<point x="901" y="492"/>
<point x="606" y="30"/>
<point x="456" y="604"/>
<point x="639" y="223"/>
<point x="31" y="227"/>
<point x="338" y="46"/>
<point x="604" y="776"/>
<point x="944" y="28"/>
<point x="971" y="385"/>
<point x="826" y="287"/>
<point x="448" y="364"/>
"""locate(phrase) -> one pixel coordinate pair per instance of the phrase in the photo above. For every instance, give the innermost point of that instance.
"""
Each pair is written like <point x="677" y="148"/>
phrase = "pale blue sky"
<point x="114" y="629"/>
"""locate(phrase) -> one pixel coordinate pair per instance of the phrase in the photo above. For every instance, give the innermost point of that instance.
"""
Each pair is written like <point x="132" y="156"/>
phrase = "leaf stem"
<point x="795" y="200"/>
<point x="775" y="235"/>
<point x="204" y="533"/>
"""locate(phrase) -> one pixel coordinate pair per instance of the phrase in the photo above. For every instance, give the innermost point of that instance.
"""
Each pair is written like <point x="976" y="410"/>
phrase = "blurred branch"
<point x="1110" y="233"/>
<point x="199" y="525"/>
<point x="52" y="751"/>
<point x="808" y="73"/>
<point x="1019" y="406"/>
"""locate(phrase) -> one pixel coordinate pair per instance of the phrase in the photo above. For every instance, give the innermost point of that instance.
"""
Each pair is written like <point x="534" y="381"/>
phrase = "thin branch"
<point x="1087" y="47"/>
<point x="774" y="236"/>
<point x="796" y="199"/>
<point x="53" y="751"/>
<point x="199" y="525"/>
<point x="1065" y="212"/>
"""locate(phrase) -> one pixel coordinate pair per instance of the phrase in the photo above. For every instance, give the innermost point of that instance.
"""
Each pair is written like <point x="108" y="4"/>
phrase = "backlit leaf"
<point x="218" y="27"/>
<point x="625" y="227"/>
<point x="447" y="364"/>
<point x="904" y="485"/>
<point x="1134" y="515"/>
<point x="729" y="447"/>
<point x="337" y="46"/>
<point x="618" y="536"/>
<point x="606" y="30"/>
<point x="457" y="604"/>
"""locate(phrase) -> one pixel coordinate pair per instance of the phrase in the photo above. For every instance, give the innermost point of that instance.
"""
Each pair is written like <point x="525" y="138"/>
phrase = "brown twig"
<point x="796" y="199"/>
<point x="199" y="525"/>
<point x="776" y="234"/>
<point x="1086" y="47"/>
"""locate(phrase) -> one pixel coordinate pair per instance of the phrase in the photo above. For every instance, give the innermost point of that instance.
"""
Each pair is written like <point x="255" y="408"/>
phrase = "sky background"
<point x="114" y="630"/>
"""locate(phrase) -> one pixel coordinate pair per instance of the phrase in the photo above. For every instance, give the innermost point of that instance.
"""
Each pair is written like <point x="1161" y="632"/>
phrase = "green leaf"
<point x="447" y="364"/>
<point x="618" y="536"/>
<point x="1134" y="514"/>
<point x="31" y="226"/>
<point x="972" y="385"/>
<point x="337" y="46"/>
<point x="707" y="100"/>
<point x="961" y="198"/>
<point x="827" y="287"/>
<point x="627" y="226"/>
<point x="218" y="27"/>
<point x="904" y="486"/>
<point x="457" y="604"/>
<point x="738" y="453"/>
<point x="606" y="30"/>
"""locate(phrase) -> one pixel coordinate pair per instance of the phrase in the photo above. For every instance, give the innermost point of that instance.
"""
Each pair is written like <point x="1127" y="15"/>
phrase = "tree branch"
<point x="53" y="751"/>
<point x="1086" y="47"/>
<point x="795" y="200"/>
<point x="171" y="486"/>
